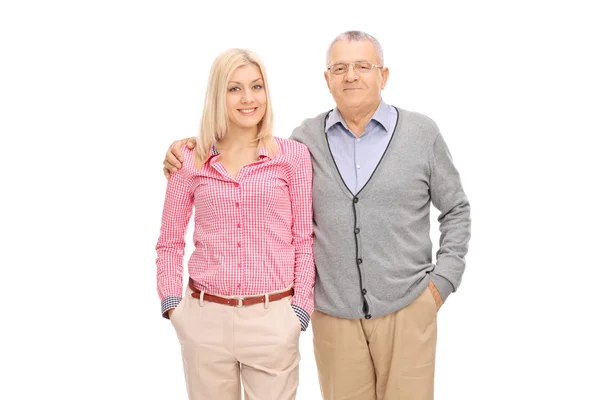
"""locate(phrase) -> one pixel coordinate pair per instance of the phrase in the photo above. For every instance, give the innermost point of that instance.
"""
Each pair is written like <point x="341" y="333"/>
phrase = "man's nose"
<point x="351" y="76"/>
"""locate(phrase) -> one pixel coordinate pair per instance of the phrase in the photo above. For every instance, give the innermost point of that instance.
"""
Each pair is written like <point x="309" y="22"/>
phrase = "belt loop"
<point x="267" y="300"/>
<point x="202" y="298"/>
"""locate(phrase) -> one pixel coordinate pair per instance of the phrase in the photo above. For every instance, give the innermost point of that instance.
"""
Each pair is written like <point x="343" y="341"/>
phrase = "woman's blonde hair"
<point x="215" y="122"/>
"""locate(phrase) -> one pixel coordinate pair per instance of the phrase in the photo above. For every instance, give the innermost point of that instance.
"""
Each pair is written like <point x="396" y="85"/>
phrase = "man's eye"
<point x="339" y="68"/>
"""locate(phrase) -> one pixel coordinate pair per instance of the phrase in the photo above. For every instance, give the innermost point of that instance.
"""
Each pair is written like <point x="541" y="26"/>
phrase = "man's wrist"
<point x="436" y="294"/>
<point x="443" y="285"/>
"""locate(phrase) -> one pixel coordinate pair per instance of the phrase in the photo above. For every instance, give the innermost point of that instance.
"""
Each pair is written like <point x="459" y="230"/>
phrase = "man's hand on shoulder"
<point x="174" y="158"/>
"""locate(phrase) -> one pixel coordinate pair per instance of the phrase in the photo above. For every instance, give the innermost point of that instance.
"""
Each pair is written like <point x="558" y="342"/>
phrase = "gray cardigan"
<point x="373" y="251"/>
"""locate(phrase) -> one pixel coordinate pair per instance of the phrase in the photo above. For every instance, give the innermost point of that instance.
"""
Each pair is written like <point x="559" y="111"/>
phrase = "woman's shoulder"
<point x="188" y="167"/>
<point x="291" y="147"/>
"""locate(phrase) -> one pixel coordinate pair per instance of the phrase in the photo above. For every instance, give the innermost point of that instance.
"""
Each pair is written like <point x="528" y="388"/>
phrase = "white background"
<point x="93" y="92"/>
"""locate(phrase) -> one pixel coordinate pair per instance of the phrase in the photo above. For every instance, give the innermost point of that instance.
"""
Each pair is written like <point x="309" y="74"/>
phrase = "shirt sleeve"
<point x="170" y="247"/>
<point x="300" y="187"/>
<point x="448" y="196"/>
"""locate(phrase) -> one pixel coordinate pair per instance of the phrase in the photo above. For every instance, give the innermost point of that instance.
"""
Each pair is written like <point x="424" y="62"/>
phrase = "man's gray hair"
<point x="355" y="36"/>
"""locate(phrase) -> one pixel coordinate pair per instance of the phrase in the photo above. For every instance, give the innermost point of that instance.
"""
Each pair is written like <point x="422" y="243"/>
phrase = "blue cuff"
<point x="169" y="303"/>
<point x="302" y="316"/>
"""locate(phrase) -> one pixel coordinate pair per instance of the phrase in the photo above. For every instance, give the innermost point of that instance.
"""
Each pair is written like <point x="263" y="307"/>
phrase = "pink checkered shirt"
<point x="252" y="234"/>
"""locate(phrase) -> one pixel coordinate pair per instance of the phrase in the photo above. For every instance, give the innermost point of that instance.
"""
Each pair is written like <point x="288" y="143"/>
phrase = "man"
<point x="376" y="170"/>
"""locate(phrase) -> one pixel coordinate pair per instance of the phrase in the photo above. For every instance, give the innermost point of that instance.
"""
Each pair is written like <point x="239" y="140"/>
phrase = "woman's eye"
<point x="234" y="89"/>
<point x="258" y="87"/>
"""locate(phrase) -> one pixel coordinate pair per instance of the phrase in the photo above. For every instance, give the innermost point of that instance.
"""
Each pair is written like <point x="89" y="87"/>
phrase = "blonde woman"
<point x="252" y="272"/>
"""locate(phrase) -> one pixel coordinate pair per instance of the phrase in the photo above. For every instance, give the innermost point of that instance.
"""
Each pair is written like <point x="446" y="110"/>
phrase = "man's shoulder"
<point x="415" y="117"/>
<point x="306" y="131"/>
<point x="417" y="123"/>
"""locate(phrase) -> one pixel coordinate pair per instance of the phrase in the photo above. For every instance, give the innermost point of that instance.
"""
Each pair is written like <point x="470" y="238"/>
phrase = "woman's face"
<point x="246" y="98"/>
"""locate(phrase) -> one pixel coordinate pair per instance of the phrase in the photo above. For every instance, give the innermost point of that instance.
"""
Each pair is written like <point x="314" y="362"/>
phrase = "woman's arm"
<point x="300" y="189"/>
<point x="177" y="210"/>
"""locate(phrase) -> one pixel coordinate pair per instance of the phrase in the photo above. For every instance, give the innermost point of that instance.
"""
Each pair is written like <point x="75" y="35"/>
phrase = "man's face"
<point x="357" y="88"/>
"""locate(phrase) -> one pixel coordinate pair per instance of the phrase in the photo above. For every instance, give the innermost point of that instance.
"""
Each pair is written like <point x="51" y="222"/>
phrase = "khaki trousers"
<point x="386" y="358"/>
<point x="222" y="345"/>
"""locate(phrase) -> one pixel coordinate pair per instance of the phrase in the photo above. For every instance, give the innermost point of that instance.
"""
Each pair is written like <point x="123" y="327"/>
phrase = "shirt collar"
<point x="382" y="115"/>
<point x="262" y="153"/>
<point x="212" y="154"/>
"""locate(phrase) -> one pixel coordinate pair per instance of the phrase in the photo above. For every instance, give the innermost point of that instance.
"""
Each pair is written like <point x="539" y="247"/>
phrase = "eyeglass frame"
<point x="353" y="65"/>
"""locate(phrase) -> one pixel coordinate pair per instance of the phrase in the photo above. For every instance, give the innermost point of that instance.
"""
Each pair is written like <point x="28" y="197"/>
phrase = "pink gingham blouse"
<point x="252" y="235"/>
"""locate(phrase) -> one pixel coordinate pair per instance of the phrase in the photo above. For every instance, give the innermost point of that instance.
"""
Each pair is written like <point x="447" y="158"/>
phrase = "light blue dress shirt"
<point x="357" y="157"/>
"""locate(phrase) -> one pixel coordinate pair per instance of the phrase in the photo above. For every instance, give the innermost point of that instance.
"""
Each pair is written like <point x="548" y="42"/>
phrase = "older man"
<point x="376" y="170"/>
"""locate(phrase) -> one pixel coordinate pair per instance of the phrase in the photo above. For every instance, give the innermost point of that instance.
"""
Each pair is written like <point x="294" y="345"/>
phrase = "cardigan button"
<point x="355" y="200"/>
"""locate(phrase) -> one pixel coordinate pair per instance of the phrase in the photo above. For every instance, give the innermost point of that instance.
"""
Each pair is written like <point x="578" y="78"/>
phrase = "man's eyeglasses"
<point x="361" y="67"/>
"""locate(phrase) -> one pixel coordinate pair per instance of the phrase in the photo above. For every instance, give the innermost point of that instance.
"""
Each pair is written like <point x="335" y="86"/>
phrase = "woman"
<point x="252" y="269"/>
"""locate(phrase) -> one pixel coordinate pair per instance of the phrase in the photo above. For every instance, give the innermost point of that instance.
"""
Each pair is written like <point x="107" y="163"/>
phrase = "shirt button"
<point x="368" y="316"/>
<point x="239" y="225"/>
<point x="236" y="184"/>
<point x="239" y="265"/>
<point x="239" y="285"/>
<point x="358" y="166"/>
<point x="358" y="139"/>
<point x="239" y="244"/>
<point x="237" y="204"/>
<point x="357" y="230"/>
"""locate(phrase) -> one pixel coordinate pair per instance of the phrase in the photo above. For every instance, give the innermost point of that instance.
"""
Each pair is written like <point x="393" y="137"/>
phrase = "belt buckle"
<point x="240" y="302"/>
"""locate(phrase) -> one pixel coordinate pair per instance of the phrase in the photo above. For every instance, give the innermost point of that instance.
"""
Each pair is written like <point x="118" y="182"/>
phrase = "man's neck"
<point x="357" y="118"/>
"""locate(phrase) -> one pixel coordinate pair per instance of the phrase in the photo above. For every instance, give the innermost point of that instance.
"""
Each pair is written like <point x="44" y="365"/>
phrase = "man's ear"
<point x="326" y="76"/>
<point x="385" y="72"/>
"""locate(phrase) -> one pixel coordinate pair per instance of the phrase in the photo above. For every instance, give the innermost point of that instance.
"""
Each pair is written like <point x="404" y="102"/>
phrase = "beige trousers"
<point x="386" y="358"/>
<point x="222" y="345"/>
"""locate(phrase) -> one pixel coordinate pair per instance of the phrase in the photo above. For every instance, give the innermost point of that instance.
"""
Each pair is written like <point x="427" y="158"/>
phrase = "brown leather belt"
<point x="240" y="301"/>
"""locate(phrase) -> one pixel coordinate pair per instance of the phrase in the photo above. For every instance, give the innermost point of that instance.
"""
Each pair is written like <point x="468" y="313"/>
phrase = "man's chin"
<point x="349" y="101"/>
<point x="353" y="104"/>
